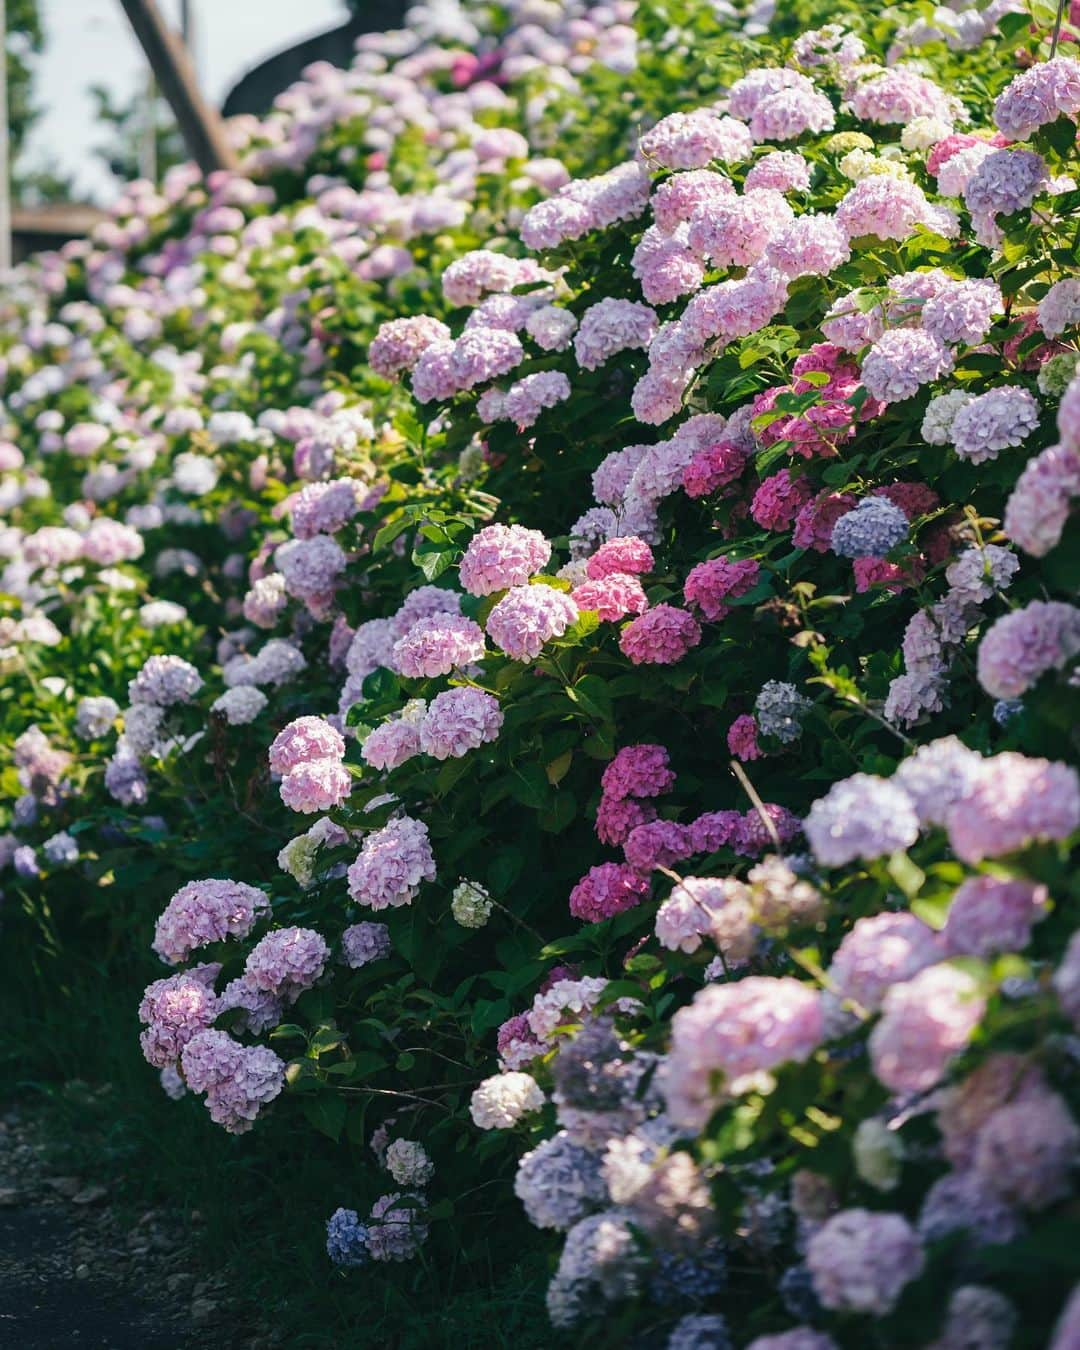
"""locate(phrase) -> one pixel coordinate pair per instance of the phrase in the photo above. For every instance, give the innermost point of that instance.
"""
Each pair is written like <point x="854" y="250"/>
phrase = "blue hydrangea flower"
<point x="346" y="1239"/>
<point x="871" y="530"/>
<point x="685" y="1279"/>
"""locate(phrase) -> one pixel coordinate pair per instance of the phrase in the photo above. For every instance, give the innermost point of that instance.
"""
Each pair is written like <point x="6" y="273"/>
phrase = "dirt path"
<point x="72" y="1275"/>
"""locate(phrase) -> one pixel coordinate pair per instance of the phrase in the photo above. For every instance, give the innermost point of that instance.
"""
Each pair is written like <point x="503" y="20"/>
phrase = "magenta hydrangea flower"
<point x="711" y="583"/>
<point x="527" y="617"/>
<point x="1024" y="644"/>
<point x="753" y="837"/>
<point x="391" y="865"/>
<point x="925" y="1023"/>
<point x="628" y="554"/>
<point x="612" y="598"/>
<point x="1015" y="801"/>
<point x="779" y="500"/>
<point x="879" y="952"/>
<point x="607" y="890"/>
<point x="302" y="740"/>
<point x="661" y="636"/>
<point x="501" y="556"/>
<point x="617" y="816"/>
<point x="206" y="911"/>
<point x="901" y="361"/>
<point x="992" y="914"/>
<point x="715" y="829"/>
<point x="439" y="645"/>
<point x="315" y="785"/>
<point x="459" y="720"/>
<point x="638" y="771"/>
<point x="742" y="738"/>
<point x="815" y="521"/>
<point x="286" y="962"/>
<point x="861" y="1260"/>
<point x="661" y="843"/>
<point x="713" y="468"/>
<point x="733" y="1032"/>
<point x="174" y="1010"/>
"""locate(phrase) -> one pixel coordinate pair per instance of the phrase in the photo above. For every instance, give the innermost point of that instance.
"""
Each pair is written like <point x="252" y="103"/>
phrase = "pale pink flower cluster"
<point x="861" y="1260"/>
<point x="1024" y="644"/>
<point x="437" y="646"/>
<point x="527" y="398"/>
<point x="206" y="911"/>
<point x="926" y="1022"/>
<point x="612" y="326"/>
<point x="881" y="951"/>
<point x="528" y="617"/>
<point x="174" y="1010"/>
<point x="459" y="720"/>
<point x="400" y="343"/>
<point x="238" y="1080"/>
<point x="286" y="962"/>
<point x="308" y="754"/>
<point x="1042" y="94"/>
<point x="1039" y="504"/>
<point x="606" y="890"/>
<point x="587" y="204"/>
<point x="392" y="864"/>
<point x="695" y="139"/>
<point x="735" y="1032"/>
<point x="501" y="556"/>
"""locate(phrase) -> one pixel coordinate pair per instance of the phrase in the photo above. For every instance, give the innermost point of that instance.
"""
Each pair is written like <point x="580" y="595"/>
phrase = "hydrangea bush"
<point x="565" y="582"/>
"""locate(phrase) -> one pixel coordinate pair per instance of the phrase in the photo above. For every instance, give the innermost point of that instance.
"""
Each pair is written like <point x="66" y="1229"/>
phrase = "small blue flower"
<point x="871" y="530"/>
<point x="346" y="1239"/>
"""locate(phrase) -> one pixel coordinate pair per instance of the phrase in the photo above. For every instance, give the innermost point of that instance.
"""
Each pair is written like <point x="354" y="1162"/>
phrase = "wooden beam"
<point x="200" y="125"/>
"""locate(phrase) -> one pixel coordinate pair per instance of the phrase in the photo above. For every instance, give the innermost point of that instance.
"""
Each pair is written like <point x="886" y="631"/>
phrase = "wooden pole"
<point x="5" y="164"/>
<point x="199" y="123"/>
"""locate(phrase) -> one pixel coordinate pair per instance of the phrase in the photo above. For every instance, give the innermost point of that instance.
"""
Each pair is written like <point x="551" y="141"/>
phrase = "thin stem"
<point x="759" y="806"/>
<point x="1057" y="29"/>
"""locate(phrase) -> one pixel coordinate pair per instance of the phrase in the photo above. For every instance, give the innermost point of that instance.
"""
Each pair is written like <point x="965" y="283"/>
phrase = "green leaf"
<point x="907" y="876"/>
<point x="327" y="1113"/>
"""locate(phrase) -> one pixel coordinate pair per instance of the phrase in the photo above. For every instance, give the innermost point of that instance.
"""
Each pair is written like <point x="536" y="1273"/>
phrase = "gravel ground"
<point x="73" y="1274"/>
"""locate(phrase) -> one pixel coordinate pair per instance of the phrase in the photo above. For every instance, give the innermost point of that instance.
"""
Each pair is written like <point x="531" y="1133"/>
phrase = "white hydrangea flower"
<point x="470" y="905"/>
<point x="501" y="1101"/>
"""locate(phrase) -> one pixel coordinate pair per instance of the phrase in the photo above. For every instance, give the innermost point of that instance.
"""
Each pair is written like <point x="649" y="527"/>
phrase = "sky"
<point x="90" y="42"/>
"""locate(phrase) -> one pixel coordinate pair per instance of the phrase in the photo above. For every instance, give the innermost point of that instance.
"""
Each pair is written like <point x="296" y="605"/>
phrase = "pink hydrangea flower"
<point x="881" y="951"/>
<point x="1024" y="644"/>
<point x="391" y="865"/>
<point x="814" y="522"/>
<point x="438" y="645"/>
<point x="501" y="556"/>
<point x="925" y="1023"/>
<point x="1039" y="505"/>
<point x="693" y="140"/>
<point x="612" y="326"/>
<point x="392" y="744"/>
<point x="612" y="598"/>
<point x="315" y="785"/>
<point x="302" y="740"/>
<point x="890" y="208"/>
<point x="607" y="890"/>
<point x="992" y="914"/>
<point x="174" y="1010"/>
<point x="780" y="170"/>
<point x="661" y="636"/>
<point x="861" y="1260"/>
<point x="901" y="361"/>
<point x="753" y="837"/>
<point x="206" y="911"/>
<point x="1027" y="1151"/>
<point x="238" y="1080"/>
<point x="527" y="617"/>
<point x="710" y="583"/>
<point x="735" y="1032"/>
<point x="362" y="943"/>
<point x="628" y="554"/>
<point x="1014" y="801"/>
<point x="678" y="198"/>
<point x="399" y="343"/>
<point x="286" y="962"/>
<point x="459" y="720"/>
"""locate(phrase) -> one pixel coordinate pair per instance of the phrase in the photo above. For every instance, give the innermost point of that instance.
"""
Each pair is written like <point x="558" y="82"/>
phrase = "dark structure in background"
<point x="257" y="90"/>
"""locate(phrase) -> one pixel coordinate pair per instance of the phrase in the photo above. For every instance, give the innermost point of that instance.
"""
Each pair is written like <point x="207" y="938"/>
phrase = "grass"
<point x="71" y="1047"/>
